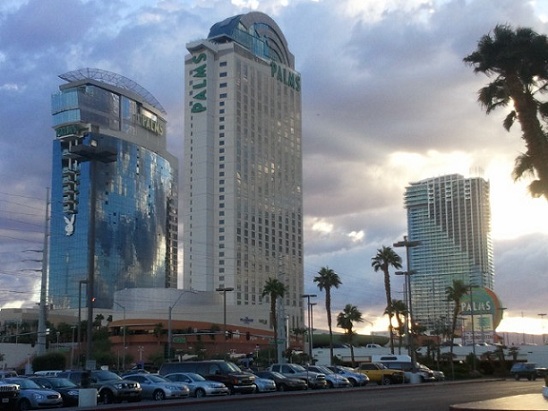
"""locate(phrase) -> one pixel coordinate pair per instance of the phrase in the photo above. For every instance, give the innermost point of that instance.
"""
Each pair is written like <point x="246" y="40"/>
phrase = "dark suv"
<point x="110" y="387"/>
<point x="9" y="395"/>
<point x="217" y="370"/>
<point x="524" y="369"/>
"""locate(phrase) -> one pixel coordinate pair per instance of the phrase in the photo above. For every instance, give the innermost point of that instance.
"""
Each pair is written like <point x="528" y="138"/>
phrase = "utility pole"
<point x="42" y="316"/>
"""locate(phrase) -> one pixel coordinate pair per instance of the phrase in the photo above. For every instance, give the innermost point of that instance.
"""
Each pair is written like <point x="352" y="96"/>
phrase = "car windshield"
<point x="104" y="375"/>
<point x="61" y="383"/>
<point x="24" y="383"/>
<point x="232" y="367"/>
<point x="156" y="378"/>
<point x="195" y="377"/>
<point x="299" y="368"/>
<point x="277" y="374"/>
<point x="325" y="370"/>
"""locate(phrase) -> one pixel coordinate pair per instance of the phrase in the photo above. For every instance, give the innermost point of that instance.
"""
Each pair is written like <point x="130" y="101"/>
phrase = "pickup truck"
<point x="313" y="379"/>
<point x="380" y="374"/>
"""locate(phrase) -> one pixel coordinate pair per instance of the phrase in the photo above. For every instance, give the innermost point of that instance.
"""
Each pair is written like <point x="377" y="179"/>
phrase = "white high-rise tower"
<point x="451" y="217"/>
<point x="242" y="192"/>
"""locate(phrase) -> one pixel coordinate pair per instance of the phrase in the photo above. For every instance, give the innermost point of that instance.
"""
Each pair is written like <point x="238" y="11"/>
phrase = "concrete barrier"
<point x="87" y="397"/>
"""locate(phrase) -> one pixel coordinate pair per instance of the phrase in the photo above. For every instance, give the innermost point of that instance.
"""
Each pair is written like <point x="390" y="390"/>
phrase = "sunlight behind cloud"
<point x="322" y="226"/>
<point x="357" y="236"/>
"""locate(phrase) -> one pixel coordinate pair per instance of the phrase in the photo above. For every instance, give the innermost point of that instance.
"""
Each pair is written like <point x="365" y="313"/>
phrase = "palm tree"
<point x="274" y="288"/>
<point x="454" y="294"/>
<point x="399" y="310"/>
<point x="327" y="279"/>
<point x="385" y="258"/>
<point x="518" y="60"/>
<point x="346" y="320"/>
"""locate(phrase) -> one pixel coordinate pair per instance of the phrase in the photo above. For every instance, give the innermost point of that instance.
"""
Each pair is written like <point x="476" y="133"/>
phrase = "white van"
<point x="49" y="373"/>
<point x="404" y="363"/>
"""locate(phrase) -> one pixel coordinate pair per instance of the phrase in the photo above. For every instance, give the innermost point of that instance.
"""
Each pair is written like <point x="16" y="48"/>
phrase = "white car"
<point x="198" y="385"/>
<point x="159" y="388"/>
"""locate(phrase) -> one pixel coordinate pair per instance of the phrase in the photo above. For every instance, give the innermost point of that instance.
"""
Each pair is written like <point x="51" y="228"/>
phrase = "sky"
<point x="386" y="101"/>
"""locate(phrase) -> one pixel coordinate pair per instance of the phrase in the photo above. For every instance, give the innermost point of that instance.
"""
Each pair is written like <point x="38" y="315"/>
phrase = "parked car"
<point x="524" y="370"/>
<point x="198" y="385"/>
<point x="32" y="396"/>
<point x="438" y="375"/>
<point x="405" y="363"/>
<point x="70" y="392"/>
<point x="333" y="379"/>
<point x="313" y="379"/>
<point x="9" y="395"/>
<point x="282" y="382"/>
<point x="159" y="388"/>
<point x="217" y="370"/>
<point x="380" y="374"/>
<point x="110" y="386"/>
<point x="355" y="378"/>
<point x="264" y="384"/>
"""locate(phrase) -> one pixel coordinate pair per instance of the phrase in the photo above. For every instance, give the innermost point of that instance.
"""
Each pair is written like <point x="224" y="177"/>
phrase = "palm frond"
<point x="523" y="166"/>
<point x="509" y="120"/>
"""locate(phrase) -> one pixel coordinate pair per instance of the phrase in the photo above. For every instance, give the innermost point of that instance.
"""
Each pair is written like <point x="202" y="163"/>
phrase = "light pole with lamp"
<point x="312" y="328"/>
<point x="123" y="336"/>
<point x="80" y="315"/>
<point x="91" y="153"/>
<point x="408" y="244"/>
<point x="470" y="286"/>
<point x="309" y="321"/>
<point x="224" y="290"/>
<point x="169" y="331"/>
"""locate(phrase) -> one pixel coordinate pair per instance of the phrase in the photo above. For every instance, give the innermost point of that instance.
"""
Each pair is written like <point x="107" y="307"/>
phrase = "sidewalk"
<point x="527" y="402"/>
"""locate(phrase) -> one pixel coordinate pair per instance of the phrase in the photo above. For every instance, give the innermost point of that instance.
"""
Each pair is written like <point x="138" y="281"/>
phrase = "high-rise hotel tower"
<point x="451" y="217"/>
<point x="242" y="191"/>
<point x="114" y="190"/>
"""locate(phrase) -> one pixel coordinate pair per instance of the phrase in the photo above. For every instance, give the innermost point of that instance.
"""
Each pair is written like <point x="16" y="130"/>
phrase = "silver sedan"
<point x="198" y="385"/>
<point x="159" y="388"/>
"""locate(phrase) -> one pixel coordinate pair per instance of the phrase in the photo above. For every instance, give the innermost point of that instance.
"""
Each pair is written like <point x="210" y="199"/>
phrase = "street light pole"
<point x="123" y="336"/>
<point x="169" y="332"/>
<point x="309" y="321"/>
<point x="409" y="244"/>
<point x="91" y="153"/>
<point x="224" y="290"/>
<point x="312" y="328"/>
<point x="80" y="314"/>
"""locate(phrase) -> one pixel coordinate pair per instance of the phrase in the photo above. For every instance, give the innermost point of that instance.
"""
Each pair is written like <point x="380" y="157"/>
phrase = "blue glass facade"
<point x="109" y="158"/>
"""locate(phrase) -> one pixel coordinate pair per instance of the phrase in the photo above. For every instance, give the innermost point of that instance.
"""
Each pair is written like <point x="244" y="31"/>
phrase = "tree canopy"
<point x="517" y="60"/>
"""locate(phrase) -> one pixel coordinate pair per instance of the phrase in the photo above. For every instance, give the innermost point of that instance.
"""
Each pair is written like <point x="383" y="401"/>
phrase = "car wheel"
<point x="158" y="395"/>
<point x="282" y="387"/>
<point x="353" y="382"/>
<point x="24" y="405"/>
<point x="200" y="393"/>
<point x="386" y="381"/>
<point x="107" y="397"/>
<point x="516" y="377"/>
<point x="330" y="384"/>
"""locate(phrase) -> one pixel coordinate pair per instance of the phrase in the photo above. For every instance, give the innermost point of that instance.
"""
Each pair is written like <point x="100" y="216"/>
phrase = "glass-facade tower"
<point x="451" y="217"/>
<point x="114" y="190"/>
<point x="242" y="186"/>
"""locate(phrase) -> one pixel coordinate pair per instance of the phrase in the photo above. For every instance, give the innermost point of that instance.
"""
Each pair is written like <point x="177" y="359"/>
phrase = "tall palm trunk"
<point x="389" y="307"/>
<point x="274" y="320"/>
<point x="328" y="309"/>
